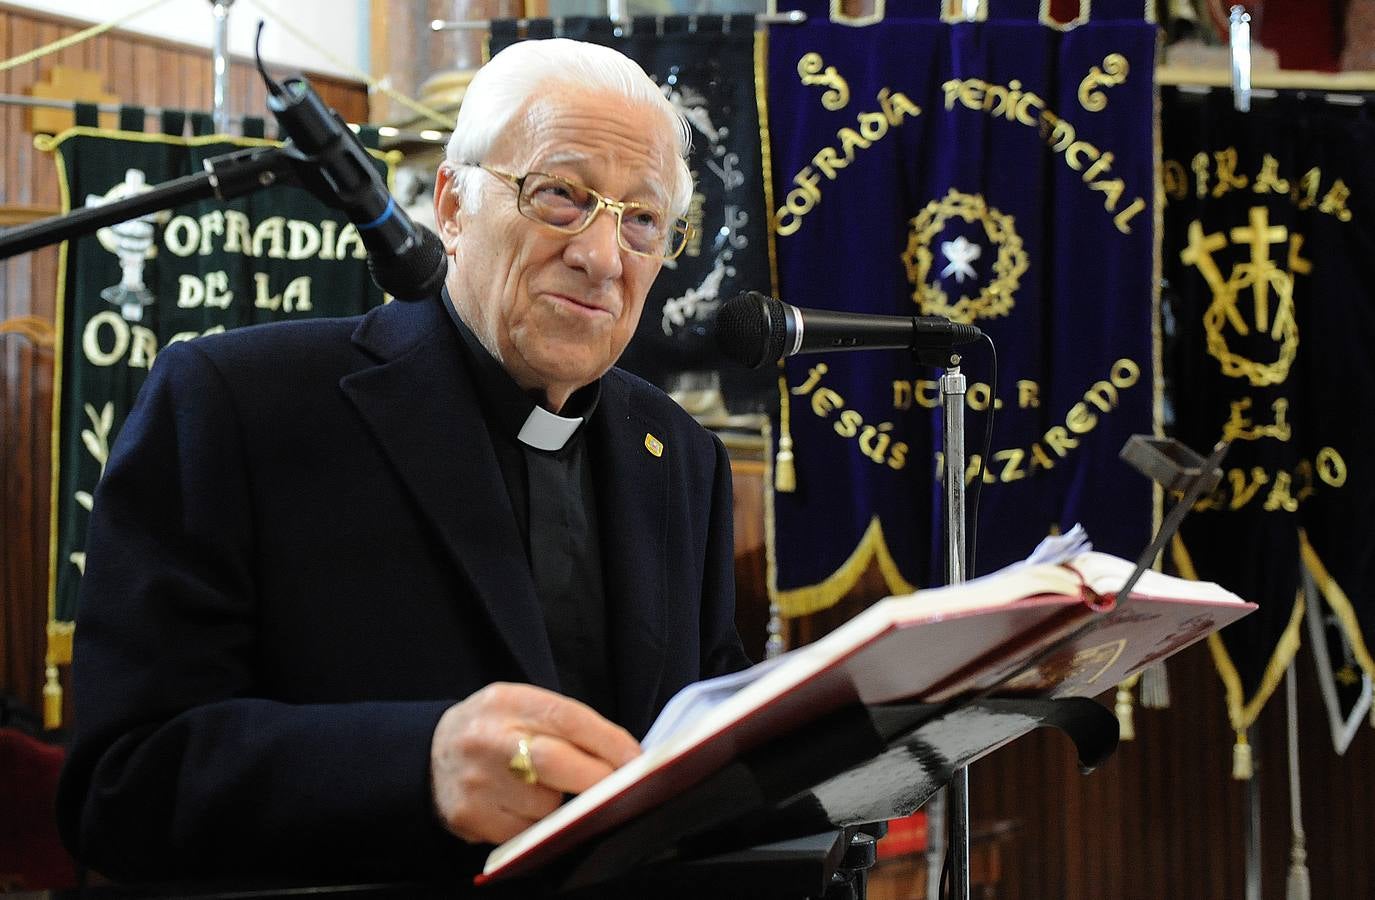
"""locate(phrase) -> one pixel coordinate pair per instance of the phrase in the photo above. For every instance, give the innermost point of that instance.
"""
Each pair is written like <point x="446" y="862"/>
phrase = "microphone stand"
<point x="953" y="389"/>
<point x="954" y="802"/>
<point x="226" y="176"/>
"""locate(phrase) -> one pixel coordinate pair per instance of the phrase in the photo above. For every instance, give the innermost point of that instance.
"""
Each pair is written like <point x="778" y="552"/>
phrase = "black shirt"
<point x="554" y="501"/>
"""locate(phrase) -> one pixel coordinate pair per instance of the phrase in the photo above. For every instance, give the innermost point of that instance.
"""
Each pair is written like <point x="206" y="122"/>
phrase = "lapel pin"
<point x="654" y="445"/>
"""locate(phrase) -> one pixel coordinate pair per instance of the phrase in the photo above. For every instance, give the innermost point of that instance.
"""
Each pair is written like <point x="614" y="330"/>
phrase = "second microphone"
<point x="756" y="330"/>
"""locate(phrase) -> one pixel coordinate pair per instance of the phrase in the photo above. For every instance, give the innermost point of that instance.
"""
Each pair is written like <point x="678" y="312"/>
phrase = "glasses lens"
<point x="567" y="206"/>
<point x="556" y="202"/>
<point x="645" y="229"/>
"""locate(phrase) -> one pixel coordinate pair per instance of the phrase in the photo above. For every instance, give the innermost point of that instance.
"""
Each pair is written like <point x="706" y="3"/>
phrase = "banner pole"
<point x="220" y="61"/>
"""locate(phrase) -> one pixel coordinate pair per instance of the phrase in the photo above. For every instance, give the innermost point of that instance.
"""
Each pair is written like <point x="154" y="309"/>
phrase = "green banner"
<point x="129" y="290"/>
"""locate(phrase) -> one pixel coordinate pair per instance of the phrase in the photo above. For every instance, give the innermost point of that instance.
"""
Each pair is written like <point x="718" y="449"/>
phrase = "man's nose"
<point x="596" y="249"/>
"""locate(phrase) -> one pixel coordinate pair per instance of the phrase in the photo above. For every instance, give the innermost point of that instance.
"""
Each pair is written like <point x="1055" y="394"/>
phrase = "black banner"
<point x="129" y="290"/>
<point x="1269" y="256"/>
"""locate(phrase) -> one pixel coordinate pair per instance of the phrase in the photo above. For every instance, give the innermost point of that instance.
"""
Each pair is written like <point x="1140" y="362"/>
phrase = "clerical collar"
<point x="514" y="411"/>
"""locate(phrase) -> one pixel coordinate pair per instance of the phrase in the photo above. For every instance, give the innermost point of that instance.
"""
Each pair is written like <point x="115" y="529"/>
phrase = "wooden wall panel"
<point x="143" y="71"/>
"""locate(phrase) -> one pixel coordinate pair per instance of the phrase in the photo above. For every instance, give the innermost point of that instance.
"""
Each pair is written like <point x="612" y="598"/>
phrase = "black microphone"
<point x="406" y="260"/>
<point x="754" y="330"/>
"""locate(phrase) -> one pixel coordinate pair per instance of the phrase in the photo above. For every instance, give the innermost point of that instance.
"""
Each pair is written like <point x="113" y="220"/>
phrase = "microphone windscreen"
<point x="750" y="328"/>
<point x="414" y="275"/>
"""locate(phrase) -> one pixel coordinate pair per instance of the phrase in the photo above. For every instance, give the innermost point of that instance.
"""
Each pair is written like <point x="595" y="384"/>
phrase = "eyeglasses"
<point x="570" y="207"/>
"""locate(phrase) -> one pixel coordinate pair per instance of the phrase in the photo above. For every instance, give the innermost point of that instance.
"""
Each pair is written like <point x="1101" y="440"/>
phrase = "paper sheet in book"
<point x="702" y="697"/>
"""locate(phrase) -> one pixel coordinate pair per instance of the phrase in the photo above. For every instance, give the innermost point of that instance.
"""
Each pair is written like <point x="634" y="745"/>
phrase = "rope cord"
<point x="414" y="105"/>
<point x="72" y="40"/>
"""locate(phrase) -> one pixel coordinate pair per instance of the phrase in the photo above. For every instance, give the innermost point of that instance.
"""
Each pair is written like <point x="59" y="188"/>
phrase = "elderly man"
<point x="365" y="596"/>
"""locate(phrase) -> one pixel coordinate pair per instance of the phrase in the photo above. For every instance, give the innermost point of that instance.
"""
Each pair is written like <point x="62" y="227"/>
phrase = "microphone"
<point x="406" y="260"/>
<point x="753" y="330"/>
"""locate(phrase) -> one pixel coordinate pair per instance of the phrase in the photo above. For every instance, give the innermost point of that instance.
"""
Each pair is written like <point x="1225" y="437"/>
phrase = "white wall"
<point x="340" y="26"/>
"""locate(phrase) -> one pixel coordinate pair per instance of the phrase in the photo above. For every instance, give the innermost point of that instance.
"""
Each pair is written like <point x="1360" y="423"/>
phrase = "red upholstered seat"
<point x="31" y="855"/>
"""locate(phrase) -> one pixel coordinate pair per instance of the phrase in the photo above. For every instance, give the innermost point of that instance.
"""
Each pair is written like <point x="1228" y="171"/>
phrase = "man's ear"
<point x="448" y="202"/>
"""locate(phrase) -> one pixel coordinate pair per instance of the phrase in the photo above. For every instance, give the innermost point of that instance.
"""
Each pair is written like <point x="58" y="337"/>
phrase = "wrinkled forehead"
<point x="608" y="141"/>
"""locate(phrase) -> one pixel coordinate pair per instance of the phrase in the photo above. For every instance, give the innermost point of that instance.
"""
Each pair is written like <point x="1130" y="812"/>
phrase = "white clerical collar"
<point x="544" y="430"/>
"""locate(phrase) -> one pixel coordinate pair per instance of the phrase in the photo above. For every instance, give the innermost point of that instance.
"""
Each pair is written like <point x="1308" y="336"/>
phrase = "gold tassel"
<point x="1297" y="886"/>
<point x="1242" y="765"/>
<point x="784" y="472"/>
<point x="1155" y="687"/>
<point x="1126" y="728"/>
<point x="52" y="700"/>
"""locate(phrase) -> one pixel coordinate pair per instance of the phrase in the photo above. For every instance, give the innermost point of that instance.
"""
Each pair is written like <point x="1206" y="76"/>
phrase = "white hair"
<point x="526" y="69"/>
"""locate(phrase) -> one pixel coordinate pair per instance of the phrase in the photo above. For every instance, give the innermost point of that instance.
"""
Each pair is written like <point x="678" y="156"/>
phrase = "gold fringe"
<point x="1338" y="601"/>
<point x="1243" y="766"/>
<point x="824" y="594"/>
<point x="1242" y="713"/>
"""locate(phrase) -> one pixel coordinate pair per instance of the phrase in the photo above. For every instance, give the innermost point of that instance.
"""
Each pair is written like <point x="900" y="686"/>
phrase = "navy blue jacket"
<point x="302" y="552"/>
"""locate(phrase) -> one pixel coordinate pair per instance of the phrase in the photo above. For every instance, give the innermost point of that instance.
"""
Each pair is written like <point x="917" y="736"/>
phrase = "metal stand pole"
<point x="220" y="55"/>
<point x="953" y="390"/>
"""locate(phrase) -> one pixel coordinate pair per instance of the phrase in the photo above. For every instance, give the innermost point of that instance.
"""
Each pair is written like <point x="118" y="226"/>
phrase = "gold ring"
<point x="522" y="765"/>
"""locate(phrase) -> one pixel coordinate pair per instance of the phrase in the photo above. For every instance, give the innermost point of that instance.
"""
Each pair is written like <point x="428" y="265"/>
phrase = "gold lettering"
<point x="217" y="292"/>
<point x="848" y="425"/>
<point x="902" y="395"/>
<point x="1227" y="177"/>
<point x="1112" y="191"/>
<point x="143" y="348"/>
<point x="1080" y="420"/>
<point x="211" y="223"/>
<point x="1331" y="467"/>
<point x="303" y="240"/>
<point x="1279" y="496"/>
<point x="182" y="235"/>
<point x="827" y="161"/>
<point x="1334" y="202"/>
<point x="236" y="232"/>
<point x="90" y="338"/>
<point x="1012" y="465"/>
<point x="272" y="232"/>
<point x="980" y="395"/>
<point x="1269" y="180"/>
<point x="349" y="237"/>
<point x="1059" y="441"/>
<point x="1201" y="169"/>
<point x="1028" y="394"/>
<point x="1040" y="459"/>
<point x="1242" y="489"/>
<point x="190" y="291"/>
<point x="813" y="378"/>
<point x="825" y="401"/>
<point x="898" y="458"/>
<point x="1133" y="210"/>
<point x="1175" y="179"/>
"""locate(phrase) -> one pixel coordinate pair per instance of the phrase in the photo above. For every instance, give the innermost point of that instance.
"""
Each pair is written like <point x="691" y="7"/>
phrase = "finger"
<point x="584" y="728"/>
<point x="566" y="767"/>
<point x="528" y="801"/>
<point x="495" y="826"/>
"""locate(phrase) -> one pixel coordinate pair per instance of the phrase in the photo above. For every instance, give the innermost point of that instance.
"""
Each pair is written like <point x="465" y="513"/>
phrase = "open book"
<point x="931" y="646"/>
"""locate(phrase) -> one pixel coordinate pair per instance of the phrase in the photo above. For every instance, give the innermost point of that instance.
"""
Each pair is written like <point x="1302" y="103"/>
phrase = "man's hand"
<point x="476" y="794"/>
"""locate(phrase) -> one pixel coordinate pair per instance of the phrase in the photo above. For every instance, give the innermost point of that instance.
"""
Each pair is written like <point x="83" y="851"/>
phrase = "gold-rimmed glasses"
<point x="570" y="207"/>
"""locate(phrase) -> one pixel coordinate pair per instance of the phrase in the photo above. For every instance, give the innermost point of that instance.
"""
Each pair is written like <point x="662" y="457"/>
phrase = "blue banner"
<point x="999" y="173"/>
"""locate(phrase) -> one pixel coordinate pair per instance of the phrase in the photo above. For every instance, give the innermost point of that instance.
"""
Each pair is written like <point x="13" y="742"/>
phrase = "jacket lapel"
<point x="419" y="403"/>
<point x="632" y="496"/>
